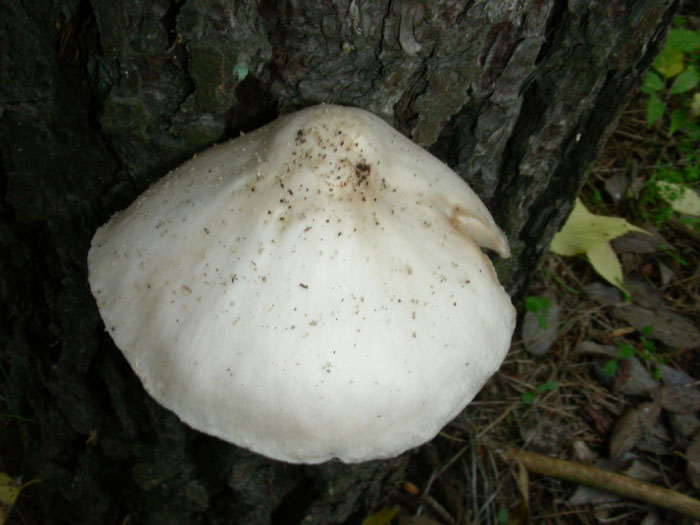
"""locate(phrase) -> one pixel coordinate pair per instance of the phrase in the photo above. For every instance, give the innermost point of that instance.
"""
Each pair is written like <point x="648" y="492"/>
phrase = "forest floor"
<point x="600" y="376"/>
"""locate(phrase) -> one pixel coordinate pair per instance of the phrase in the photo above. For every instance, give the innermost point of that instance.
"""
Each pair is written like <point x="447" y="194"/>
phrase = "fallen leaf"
<point x="602" y="294"/>
<point x="673" y="376"/>
<point x="644" y="294"/>
<point x="632" y="378"/>
<point x="523" y="482"/>
<point x="656" y="440"/>
<point x="587" y="234"/>
<point x="671" y="329"/>
<point x="593" y="348"/>
<point x="640" y="470"/>
<point x="617" y="186"/>
<point x="548" y="435"/>
<point x="678" y="399"/>
<point x="682" y="199"/>
<point x="666" y="274"/>
<point x="9" y="491"/>
<point x="585" y="495"/>
<point x="684" y="425"/>
<point x="536" y="339"/>
<point x="695" y="105"/>
<point x="583" y="453"/>
<point x="584" y="230"/>
<point x="605" y="262"/>
<point x="382" y="516"/>
<point x="635" y="242"/>
<point x="631" y="427"/>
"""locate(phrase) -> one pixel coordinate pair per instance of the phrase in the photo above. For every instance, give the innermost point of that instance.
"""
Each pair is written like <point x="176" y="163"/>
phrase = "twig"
<point x="438" y="509"/>
<point x="602" y="479"/>
<point x="427" y="500"/>
<point x="496" y="421"/>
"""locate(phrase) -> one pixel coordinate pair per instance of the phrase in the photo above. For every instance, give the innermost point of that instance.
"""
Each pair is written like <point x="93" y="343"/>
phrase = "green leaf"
<point x="686" y="80"/>
<point x="679" y="119"/>
<point x="669" y="62"/>
<point x="625" y="351"/>
<point x="655" y="108"/>
<point x="548" y="386"/>
<point x="534" y="303"/>
<point x="502" y="515"/>
<point x="527" y="397"/>
<point x="610" y="367"/>
<point x="538" y="306"/>
<point x="653" y="82"/>
<point x="683" y="39"/>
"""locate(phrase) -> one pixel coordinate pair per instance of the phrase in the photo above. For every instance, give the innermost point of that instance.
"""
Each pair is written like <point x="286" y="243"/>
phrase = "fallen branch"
<point x="603" y="479"/>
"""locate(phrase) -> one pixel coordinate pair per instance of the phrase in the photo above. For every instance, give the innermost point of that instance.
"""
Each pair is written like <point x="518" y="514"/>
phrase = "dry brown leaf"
<point x="673" y="376"/>
<point x="597" y="418"/>
<point x="644" y="294"/>
<point x="593" y="348"/>
<point x="616" y="185"/>
<point x="678" y="399"/>
<point x="585" y="495"/>
<point x="582" y="452"/>
<point x="632" y="378"/>
<point x="670" y="328"/>
<point x="666" y="274"/>
<point x="536" y="338"/>
<point x="640" y="470"/>
<point x="637" y="242"/>
<point x="656" y="440"/>
<point x="631" y="427"/>
<point x="684" y="425"/>
<point x="523" y="482"/>
<point x="603" y="294"/>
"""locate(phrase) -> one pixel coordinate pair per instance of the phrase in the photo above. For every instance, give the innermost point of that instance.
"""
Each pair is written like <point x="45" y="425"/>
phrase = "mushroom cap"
<point x="311" y="290"/>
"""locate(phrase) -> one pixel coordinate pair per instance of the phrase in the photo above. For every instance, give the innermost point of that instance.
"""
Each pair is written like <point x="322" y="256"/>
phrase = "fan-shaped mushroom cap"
<point x="312" y="290"/>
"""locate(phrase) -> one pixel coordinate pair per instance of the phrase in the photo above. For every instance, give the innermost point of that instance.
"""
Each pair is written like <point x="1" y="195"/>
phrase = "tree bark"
<point x="100" y="98"/>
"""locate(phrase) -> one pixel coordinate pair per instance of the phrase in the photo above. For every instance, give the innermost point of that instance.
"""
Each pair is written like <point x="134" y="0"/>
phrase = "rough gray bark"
<point x="100" y="98"/>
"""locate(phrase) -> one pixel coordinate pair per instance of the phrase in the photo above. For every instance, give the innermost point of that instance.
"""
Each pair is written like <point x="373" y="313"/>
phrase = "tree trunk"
<point x="100" y="98"/>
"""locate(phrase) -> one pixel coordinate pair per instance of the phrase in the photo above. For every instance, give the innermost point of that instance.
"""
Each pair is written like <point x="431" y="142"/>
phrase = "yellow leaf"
<point x="587" y="234"/>
<point x="606" y="264"/>
<point x="695" y="106"/>
<point x="382" y="516"/>
<point x="584" y="231"/>
<point x="669" y="62"/>
<point x="682" y="200"/>
<point x="9" y="491"/>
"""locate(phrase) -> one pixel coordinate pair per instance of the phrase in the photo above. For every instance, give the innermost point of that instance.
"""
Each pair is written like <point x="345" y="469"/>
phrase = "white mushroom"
<point x="311" y="290"/>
